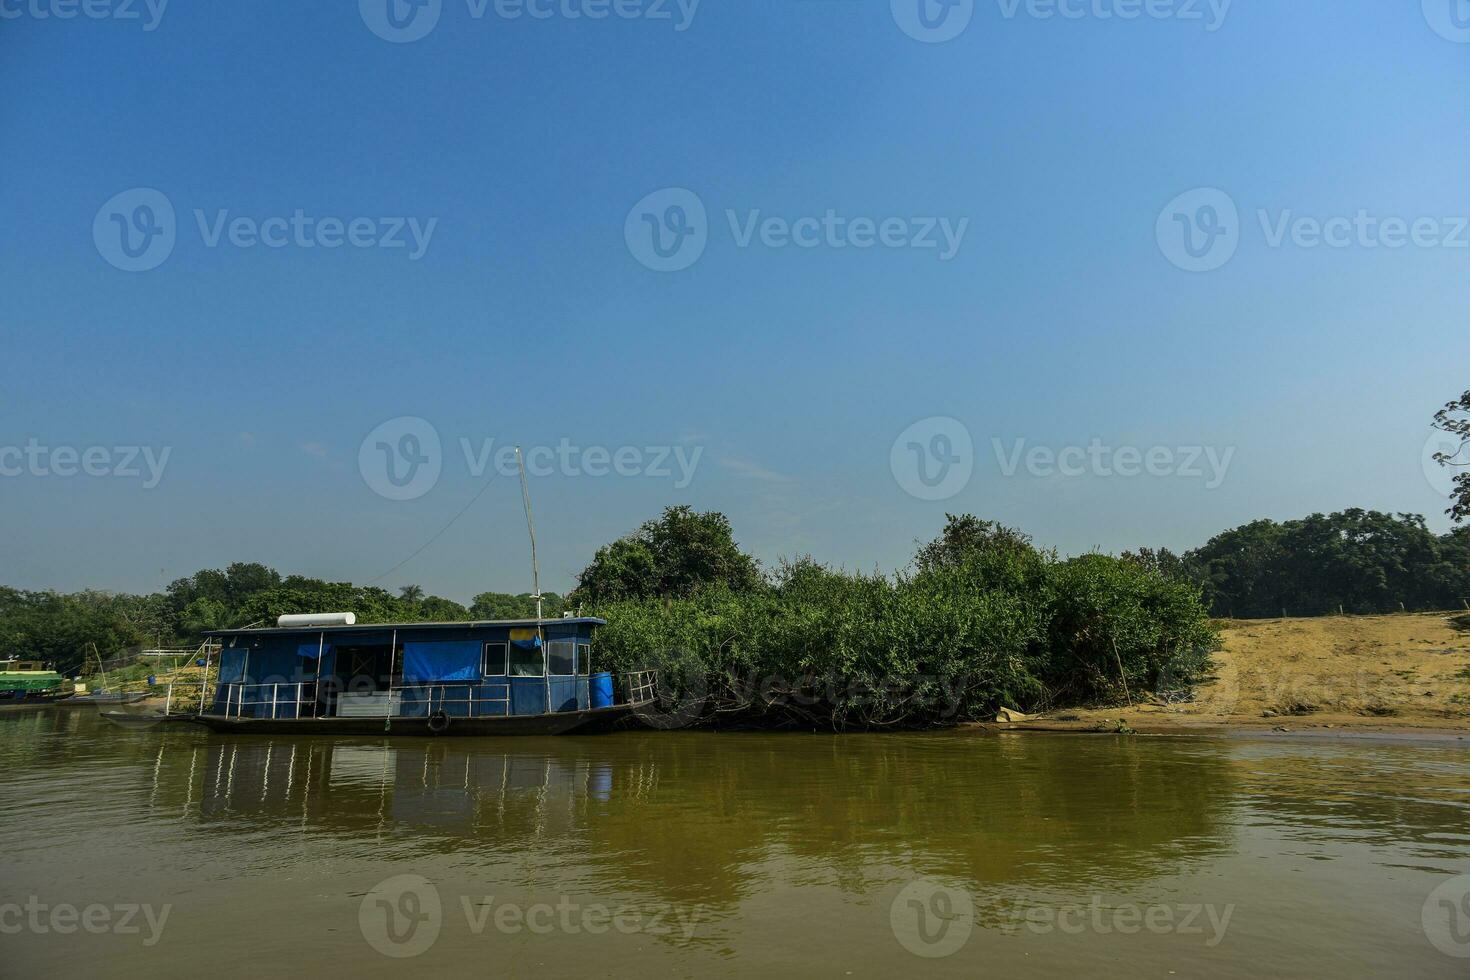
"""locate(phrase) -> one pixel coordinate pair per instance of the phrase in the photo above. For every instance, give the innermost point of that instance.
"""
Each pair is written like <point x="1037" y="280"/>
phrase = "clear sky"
<point x="1018" y="238"/>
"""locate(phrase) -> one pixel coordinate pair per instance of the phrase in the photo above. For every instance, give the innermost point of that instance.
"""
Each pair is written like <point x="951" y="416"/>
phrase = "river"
<point x="172" y="852"/>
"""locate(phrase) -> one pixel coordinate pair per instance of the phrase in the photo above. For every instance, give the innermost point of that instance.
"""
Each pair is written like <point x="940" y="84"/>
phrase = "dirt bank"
<point x="1348" y="674"/>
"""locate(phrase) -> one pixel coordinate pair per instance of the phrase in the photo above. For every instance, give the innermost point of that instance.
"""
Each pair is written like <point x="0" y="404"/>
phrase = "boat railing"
<point x="192" y="681"/>
<point x="186" y="696"/>
<point x="450" y="698"/>
<point x="456" y="699"/>
<point x="641" y="686"/>
<point x="269" y="700"/>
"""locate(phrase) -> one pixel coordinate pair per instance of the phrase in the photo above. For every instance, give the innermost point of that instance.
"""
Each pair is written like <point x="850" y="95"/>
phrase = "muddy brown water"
<point x="179" y="853"/>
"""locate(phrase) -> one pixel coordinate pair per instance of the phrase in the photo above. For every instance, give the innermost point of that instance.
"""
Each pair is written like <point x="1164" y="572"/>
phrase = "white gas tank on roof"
<point x="317" y="619"/>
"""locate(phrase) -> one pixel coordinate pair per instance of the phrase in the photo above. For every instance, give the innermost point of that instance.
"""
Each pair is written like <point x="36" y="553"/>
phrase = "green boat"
<point x="29" y="684"/>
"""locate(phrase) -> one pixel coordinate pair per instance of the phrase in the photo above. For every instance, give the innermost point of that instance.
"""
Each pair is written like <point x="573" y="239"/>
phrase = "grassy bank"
<point x="133" y="678"/>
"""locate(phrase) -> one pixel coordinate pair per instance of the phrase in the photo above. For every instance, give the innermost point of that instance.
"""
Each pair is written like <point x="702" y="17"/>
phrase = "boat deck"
<point x="558" y="723"/>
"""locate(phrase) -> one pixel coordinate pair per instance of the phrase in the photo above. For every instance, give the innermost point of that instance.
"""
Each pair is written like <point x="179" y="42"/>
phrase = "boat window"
<point x="527" y="661"/>
<point x="561" y="657"/>
<point x="497" y="659"/>
<point x="584" y="658"/>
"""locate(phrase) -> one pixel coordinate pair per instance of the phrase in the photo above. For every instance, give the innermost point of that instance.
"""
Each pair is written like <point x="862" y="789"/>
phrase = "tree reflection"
<point x="700" y="818"/>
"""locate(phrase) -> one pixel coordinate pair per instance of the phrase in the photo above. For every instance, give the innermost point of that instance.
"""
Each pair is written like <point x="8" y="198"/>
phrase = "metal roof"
<point x="379" y="627"/>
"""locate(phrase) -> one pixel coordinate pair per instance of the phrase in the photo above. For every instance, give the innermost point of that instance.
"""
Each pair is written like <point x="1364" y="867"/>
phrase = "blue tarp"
<point x="310" y="650"/>
<point x="443" y="661"/>
<point x="274" y="666"/>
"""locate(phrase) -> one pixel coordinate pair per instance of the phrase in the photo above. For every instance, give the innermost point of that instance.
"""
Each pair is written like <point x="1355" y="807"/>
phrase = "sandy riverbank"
<point x="1371" y="675"/>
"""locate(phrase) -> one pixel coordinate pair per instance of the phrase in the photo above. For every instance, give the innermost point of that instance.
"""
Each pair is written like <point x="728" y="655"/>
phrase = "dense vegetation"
<point x="979" y="618"/>
<point x="61" y="628"/>
<point x="1355" y="561"/>
<point x="983" y="619"/>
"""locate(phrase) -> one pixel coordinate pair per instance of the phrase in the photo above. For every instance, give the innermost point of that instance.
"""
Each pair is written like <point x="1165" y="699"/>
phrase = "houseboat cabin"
<point x="500" y="677"/>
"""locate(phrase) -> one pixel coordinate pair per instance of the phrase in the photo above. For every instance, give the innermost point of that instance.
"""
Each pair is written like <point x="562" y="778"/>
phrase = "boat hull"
<point x="560" y="723"/>
<point x="128" y="719"/>
<point x="100" y="700"/>
<point x="28" y="700"/>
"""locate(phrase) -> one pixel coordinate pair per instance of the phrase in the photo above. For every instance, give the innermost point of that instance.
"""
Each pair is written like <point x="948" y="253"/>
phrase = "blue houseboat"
<point x="326" y="674"/>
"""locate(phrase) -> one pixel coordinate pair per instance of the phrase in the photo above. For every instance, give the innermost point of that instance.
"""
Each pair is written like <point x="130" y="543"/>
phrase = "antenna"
<point x="531" y="527"/>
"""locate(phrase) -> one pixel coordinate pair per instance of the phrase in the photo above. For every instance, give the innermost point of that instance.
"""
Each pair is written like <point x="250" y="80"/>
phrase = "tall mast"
<point x="530" y="527"/>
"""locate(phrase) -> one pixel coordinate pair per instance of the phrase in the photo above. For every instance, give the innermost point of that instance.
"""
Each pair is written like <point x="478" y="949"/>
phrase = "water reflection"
<point x="695" y="818"/>
<point x="370" y="788"/>
<point x="1413" y="796"/>
<point x="777" y="844"/>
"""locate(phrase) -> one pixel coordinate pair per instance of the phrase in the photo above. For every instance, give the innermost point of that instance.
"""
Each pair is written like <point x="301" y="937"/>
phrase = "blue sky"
<point x="530" y="153"/>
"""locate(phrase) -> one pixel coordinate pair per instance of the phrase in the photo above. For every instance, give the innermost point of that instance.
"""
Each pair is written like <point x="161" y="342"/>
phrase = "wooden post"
<point x="1122" y="676"/>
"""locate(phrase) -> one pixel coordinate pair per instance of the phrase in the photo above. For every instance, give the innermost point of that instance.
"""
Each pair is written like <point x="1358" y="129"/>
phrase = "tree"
<point x="1454" y="418"/>
<point x="244" y="579"/>
<point x="60" y="629"/>
<point x="965" y="537"/>
<point x="372" y="605"/>
<point x="624" y="569"/>
<point x="1242" y="569"/>
<point x="673" y="556"/>
<point x="502" y="605"/>
<point x="411" y="593"/>
<point x="205" y="614"/>
<point x="1163" y="562"/>
<point x="218" y="592"/>
<point x="435" y="609"/>
<point x="1359" y="561"/>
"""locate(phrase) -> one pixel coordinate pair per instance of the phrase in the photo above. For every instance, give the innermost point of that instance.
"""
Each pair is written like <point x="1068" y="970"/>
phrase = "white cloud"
<point x="751" y="470"/>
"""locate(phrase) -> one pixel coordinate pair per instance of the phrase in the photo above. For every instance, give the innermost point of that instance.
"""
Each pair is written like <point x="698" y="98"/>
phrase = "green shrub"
<point x="990" y="622"/>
